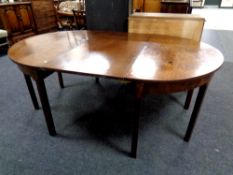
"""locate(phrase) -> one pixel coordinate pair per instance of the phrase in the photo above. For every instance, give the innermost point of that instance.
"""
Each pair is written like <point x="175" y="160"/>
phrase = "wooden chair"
<point x="64" y="13"/>
<point x="80" y="19"/>
<point x="63" y="22"/>
<point x="177" y="25"/>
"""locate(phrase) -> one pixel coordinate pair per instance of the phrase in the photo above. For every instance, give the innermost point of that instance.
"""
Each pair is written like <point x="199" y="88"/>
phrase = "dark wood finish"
<point x="135" y="128"/>
<point x="171" y="7"/>
<point x="179" y="61"/>
<point x="158" y="64"/>
<point x="70" y="15"/>
<point x="39" y="15"/>
<point x="1" y="24"/>
<point x="29" y="71"/>
<point x="135" y="119"/>
<point x="31" y="91"/>
<point x="45" y="15"/>
<point x="80" y="19"/>
<point x="18" y="20"/>
<point x="65" y="20"/>
<point x="39" y="78"/>
<point x="195" y="112"/>
<point x="188" y="99"/>
<point x="97" y="79"/>
<point x="60" y="79"/>
<point x="71" y="19"/>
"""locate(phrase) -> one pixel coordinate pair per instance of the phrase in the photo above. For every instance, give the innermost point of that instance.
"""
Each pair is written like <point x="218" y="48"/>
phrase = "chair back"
<point x="80" y="19"/>
<point x="186" y="26"/>
<point x="70" y="5"/>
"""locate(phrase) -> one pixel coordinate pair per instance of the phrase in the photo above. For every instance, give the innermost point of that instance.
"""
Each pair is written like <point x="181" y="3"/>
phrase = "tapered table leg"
<point x="188" y="99"/>
<point x="135" y="128"/>
<point x="31" y="91"/>
<point x="45" y="103"/>
<point x="135" y="119"/>
<point x="197" y="106"/>
<point x="97" y="79"/>
<point x="60" y="78"/>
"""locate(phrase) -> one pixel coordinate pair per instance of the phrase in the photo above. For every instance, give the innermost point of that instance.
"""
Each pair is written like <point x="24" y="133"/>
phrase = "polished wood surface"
<point x="45" y="15"/>
<point x="13" y="3"/>
<point x="176" y="7"/>
<point x="161" y="64"/>
<point x="118" y="55"/>
<point x="146" y="5"/>
<point x="152" y="6"/>
<point x="169" y="25"/>
<point x="181" y="25"/>
<point x="18" y="20"/>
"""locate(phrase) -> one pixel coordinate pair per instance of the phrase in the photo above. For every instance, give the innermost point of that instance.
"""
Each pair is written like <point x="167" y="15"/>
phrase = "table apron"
<point x="173" y="86"/>
<point x="157" y="87"/>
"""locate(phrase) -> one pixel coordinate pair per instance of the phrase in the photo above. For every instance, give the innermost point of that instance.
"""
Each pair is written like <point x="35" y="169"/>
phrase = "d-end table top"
<point x="118" y="55"/>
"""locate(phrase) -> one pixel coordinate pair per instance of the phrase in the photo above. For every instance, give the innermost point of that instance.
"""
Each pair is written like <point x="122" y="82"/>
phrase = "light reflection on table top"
<point x="119" y="55"/>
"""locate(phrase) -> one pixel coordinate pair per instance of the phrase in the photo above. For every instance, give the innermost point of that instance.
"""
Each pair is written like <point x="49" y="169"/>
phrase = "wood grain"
<point x="146" y="58"/>
<point x="179" y="25"/>
<point x="155" y="63"/>
<point x="45" y="15"/>
<point x="18" y="20"/>
<point x="146" y="5"/>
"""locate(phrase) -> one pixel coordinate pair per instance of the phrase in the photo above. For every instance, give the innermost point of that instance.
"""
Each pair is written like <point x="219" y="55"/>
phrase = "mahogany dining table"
<point x="155" y="63"/>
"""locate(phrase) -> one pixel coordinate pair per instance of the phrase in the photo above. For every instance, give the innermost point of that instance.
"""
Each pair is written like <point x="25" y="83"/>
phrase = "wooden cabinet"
<point x="175" y="7"/>
<point x="146" y="5"/>
<point x="24" y="19"/>
<point x="18" y="20"/>
<point x="1" y="24"/>
<point x="152" y="6"/>
<point x="45" y="15"/>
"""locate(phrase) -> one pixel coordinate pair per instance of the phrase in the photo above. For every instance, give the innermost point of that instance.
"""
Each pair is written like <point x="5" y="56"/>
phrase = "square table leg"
<point x="188" y="99"/>
<point x="31" y="91"/>
<point x="135" y="128"/>
<point x="139" y="91"/>
<point x="60" y="78"/>
<point x="45" y="102"/>
<point x="196" y="109"/>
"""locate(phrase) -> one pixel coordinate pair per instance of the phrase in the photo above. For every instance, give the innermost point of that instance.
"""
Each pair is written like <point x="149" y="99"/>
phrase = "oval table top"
<point x="118" y="55"/>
